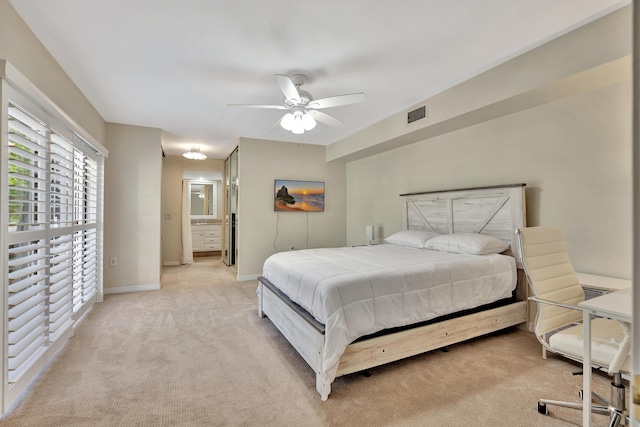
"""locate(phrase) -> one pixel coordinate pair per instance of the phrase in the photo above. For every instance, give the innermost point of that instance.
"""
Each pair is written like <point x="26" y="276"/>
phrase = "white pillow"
<point x="467" y="243"/>
<point x="410" y="238"/>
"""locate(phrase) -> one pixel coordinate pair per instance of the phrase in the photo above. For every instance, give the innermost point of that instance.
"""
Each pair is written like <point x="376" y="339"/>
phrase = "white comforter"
<point x="357" y="291"/>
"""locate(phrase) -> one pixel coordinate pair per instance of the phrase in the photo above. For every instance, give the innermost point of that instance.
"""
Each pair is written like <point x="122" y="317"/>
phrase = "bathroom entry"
<point x="202" y="213"/>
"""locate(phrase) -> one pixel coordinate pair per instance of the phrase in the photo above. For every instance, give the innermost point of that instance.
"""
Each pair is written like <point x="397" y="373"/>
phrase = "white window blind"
<point x="61" y="285"/>
<point x="62" y="176"/>
<point x="90" y="191"/>
<point x="61" y="194"/>
<point x="27" y="171"/>
<point x="27" y="319"/>
<point x="28" y="264"/>
<point x="52" y="234"/>
<point x="89" y="266"/>
<point x="78" y="273"/>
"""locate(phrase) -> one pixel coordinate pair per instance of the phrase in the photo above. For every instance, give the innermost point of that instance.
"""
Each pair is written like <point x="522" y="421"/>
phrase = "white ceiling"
<point x="177" y="64"/>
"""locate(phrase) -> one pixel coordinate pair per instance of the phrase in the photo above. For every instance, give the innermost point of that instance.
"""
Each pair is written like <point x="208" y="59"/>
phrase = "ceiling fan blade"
<point x="335" y="101"/>
<point x="325" y="118"/>
<point x="276" y="124"/>
<point x="288" y="88"/>
<point x="270" y="107"/>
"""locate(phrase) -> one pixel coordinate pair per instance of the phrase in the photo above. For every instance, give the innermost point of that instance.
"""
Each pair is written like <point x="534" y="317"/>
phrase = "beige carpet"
<point x="195" y="353"/>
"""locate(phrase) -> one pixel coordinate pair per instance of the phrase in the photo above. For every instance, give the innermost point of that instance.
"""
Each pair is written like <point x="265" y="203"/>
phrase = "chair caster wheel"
<point x="542" y="408"/>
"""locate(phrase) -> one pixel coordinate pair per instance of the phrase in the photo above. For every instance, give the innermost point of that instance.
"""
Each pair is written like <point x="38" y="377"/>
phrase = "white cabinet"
<point x="205" y="237"/>
<point x="197" y="241"/>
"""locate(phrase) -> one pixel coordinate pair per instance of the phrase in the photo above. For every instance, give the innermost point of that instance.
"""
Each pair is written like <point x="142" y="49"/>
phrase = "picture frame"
<point x="298" y="196"/>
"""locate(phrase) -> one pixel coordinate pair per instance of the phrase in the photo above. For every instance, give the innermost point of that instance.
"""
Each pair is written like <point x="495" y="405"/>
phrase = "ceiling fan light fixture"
<point x="299" y="119"/>
<point x="287" y="122"/>
<point x="298" y="125"/>
<point x="308" y="121"/>
<point x="195" y="154"/>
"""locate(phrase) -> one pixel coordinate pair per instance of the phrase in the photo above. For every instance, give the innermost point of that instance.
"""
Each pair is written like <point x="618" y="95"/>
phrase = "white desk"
<point x="616" y="305"/>
<point x="602" y="283"/>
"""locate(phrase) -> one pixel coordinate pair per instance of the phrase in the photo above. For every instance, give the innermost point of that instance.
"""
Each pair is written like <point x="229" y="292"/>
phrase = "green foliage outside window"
<point x="19" y="199"/>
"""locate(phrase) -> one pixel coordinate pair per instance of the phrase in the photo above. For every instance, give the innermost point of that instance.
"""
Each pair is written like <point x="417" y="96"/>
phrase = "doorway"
<point x="202" y="215"/>
<point x="231" y="218"/>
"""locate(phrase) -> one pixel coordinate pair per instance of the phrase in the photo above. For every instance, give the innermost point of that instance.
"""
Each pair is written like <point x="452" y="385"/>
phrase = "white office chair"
<point x="557" y="291"/>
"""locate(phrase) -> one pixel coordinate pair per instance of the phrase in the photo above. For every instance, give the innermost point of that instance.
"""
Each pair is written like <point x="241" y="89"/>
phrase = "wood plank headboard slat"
<point x="497" y="211"/>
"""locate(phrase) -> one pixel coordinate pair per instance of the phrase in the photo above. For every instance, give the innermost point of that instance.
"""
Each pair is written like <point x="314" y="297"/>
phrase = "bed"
<point x="453" y="273"/>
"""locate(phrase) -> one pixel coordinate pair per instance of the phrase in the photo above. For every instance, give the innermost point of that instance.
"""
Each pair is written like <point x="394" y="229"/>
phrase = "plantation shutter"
<point x="90" y="284"/>
<point x="28" y="249"/>
<point x="61" y="233"/>
<point x="51" y="231"/>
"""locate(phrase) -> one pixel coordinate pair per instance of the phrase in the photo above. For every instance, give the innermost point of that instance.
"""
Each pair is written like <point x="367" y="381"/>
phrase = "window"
<point x="28" y="264"/>
<point x="52" y="270"/>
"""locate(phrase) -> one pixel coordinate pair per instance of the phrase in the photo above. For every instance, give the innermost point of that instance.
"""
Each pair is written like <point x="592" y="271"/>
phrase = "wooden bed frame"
<point x="496" y="211"/>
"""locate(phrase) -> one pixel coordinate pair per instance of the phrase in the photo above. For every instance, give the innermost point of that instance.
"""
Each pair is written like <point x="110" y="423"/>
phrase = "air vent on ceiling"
<point x="417" y="114"/>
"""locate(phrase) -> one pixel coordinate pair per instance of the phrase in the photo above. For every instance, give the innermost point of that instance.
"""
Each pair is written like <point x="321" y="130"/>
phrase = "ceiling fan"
<point x="303" y="109"/>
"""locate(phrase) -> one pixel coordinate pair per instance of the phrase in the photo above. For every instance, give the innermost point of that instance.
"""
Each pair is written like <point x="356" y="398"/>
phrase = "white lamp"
<point x="369" y="233"/>
<point x="195" y="154"/>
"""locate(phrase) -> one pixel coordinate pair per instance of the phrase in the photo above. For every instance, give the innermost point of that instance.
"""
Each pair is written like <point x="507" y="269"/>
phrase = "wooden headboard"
<point x="496" y="211"/>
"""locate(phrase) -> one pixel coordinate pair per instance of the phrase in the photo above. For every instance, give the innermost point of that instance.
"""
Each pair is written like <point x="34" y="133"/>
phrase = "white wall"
<point x="23" y="50"/>
<point x="132" y="230"/>
<point x="260" y="163"/>
<point x="574" y="155"/>
<point x="172" y="169"/>
<point x="567" y="136"/>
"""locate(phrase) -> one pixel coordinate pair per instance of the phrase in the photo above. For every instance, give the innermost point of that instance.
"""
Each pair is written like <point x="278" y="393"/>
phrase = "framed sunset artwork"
<point x="298" y="196"/>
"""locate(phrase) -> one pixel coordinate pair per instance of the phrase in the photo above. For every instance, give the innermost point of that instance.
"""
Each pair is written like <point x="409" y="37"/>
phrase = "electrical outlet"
<point x="113" y="261"/>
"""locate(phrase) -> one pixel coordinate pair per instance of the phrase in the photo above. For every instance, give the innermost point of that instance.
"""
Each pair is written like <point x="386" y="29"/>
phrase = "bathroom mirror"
<point x="204" y="200"/>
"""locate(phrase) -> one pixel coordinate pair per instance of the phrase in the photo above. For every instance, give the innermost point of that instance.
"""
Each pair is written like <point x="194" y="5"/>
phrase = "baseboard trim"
<point x="248" y="278"/>
<point x="127" y="289"/>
